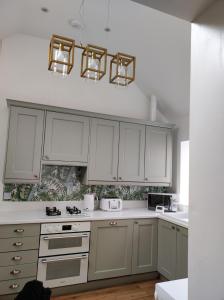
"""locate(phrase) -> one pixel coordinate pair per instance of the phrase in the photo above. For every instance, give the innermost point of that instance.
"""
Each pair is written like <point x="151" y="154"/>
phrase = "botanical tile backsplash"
<point x="62" y="183"/>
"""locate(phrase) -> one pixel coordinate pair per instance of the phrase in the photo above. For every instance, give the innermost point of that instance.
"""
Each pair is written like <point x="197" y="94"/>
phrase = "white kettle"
<point x="88" y="202"/>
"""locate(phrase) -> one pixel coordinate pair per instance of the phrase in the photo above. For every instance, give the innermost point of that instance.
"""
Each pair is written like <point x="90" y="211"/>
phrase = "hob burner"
<point x="73" y="210"/>
<point x="52" y="211"/>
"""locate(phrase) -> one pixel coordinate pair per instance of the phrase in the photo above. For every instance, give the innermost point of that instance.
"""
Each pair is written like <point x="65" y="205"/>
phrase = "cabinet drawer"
<point x="13" y="286"/>
<point x="21" y="271"/>
<point x="18" y="258"/>
<point x="15" y="244"/>
<point x="20" y="230"/>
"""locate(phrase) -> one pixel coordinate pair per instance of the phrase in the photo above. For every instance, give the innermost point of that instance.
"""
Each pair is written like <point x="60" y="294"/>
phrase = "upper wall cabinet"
<point x="131" y="152"/>
<point x="158" y="155"/>
<point x="66" y="138"/>
<point x="103" y="158"/>
<point x="24" y="145"/>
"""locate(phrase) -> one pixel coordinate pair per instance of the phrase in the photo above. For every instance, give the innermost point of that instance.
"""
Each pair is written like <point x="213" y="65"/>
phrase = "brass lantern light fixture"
<point x="61" y="55"/>
<point x="122" y="69"/>
<point x="94" y="62"/>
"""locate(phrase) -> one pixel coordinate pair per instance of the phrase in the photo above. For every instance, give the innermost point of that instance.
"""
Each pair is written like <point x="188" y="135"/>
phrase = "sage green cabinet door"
<point x="182" y="253"/>
<point x="66" y="137"/>
<point x="167" y="249"/>
<point x="110" y="249"/>
<point x="103" y="154"/>
<point x="24" y="144"/>
<point x="131" y="152"/>
<point x="144" y="246"/>
<point x="158" y="155"/>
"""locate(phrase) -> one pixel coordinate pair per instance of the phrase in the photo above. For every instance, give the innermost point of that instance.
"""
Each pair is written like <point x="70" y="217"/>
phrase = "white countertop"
<point x="172" y="290"/>
<point x="38" y="216"/>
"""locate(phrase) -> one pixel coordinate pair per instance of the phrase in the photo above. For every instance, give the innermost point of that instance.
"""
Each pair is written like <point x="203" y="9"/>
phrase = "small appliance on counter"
<point x="158" y="200"/>
<point x="88" y="202"/>
<point x="111" y="204"/>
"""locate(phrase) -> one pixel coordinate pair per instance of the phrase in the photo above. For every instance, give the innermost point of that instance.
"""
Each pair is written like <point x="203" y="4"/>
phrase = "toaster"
<point x="111" y="204"/>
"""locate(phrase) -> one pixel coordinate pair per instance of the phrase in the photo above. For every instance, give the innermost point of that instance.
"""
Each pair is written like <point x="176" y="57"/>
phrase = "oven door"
<point x="63" y="270"/>
<point x="67" y="243"/>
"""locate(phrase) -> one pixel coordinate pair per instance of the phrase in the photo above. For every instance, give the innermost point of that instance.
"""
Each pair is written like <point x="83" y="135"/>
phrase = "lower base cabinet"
<point x="144" y="257"/>
<point x="122" y="247"/>
<point x="172" y="250"/>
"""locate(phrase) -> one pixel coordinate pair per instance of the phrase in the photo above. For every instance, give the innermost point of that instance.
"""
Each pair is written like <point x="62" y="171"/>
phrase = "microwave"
<point x="160" y="199"/>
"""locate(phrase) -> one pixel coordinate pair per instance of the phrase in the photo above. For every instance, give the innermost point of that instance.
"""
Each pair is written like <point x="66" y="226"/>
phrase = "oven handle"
<point x="45" y="261"/>
<point x="46" y="238"/>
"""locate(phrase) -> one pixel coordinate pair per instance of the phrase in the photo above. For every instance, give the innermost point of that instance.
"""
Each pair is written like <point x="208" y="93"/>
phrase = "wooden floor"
<point x="133" y="291"/>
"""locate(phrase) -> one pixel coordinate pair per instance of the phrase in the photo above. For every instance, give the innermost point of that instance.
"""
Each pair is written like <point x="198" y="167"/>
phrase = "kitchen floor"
<point x="134" y="291"/>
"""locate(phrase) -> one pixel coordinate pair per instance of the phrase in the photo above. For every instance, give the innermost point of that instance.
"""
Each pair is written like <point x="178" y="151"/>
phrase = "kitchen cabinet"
<point x="145" y="237"/>
<point x="158" y="155"/>
<point x="182" y="253"/>
<point x="66" y="138"/>
<point x="110" y="249"/>
<point x="122" y="247"/>
<point x="24" y="145"/>
<point x="172" y="250"/>
<point x="19" y="245"/>
<point x="131" y="152"/>
<point x="103" y="152"/>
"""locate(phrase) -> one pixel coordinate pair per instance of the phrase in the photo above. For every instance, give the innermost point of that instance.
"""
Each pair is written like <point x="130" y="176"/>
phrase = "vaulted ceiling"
<point x="185" y="9"/>
<point x="160" y="42"/>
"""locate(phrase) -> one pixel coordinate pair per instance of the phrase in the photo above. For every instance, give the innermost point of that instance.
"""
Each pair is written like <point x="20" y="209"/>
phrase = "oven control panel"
<point x="65" y="227"/>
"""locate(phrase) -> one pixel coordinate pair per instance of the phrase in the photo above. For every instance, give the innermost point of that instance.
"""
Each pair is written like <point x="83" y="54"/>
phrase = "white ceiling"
<point x="161" y="43"/>
<point x="185" y="9"/>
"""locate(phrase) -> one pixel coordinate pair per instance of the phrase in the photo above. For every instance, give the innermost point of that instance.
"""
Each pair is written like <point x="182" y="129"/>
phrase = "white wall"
<point x="206" y="239"/>
<point x="24" y="76"/>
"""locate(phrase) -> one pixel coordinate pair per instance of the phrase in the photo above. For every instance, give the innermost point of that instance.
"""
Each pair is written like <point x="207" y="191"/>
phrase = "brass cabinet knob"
<point x="114" y="178"/>
<point x="17" y="258"/>
<point x="14" y="286"/>
<point x="35" y="176"/>
<point x="178" y="229"/>
<point x="146" y="179"/>
<point x="173" y="227"/>
<point x="15" y="272"/>
<point x="120" y="178"/>
<point x="19" y="230"/>
<point x="113" y="223"/>
<point x="18" y="244"/>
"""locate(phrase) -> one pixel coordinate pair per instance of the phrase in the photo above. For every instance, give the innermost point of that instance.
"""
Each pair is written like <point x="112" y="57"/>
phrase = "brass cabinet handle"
<point x="19" y="230"/>
<point x="113" y="223"/>
<point x="17" y="258"/>
<point x="15" y="272"/>
<point x="18" y="244"/>
<point x="14" y="286"/>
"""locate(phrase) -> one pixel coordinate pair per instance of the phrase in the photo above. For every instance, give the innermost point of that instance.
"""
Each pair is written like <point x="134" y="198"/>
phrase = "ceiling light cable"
<point x="107" y="28"/>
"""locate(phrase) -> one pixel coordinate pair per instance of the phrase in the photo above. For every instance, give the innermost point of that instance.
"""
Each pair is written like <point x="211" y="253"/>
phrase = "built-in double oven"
<point x="63" y="254"/>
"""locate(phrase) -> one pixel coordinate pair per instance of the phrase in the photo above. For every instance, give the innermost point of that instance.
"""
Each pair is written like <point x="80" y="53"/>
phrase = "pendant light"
<point x="61" y="55"/>
<point x="122" y="69"/>
<point x="94" y="62"/>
